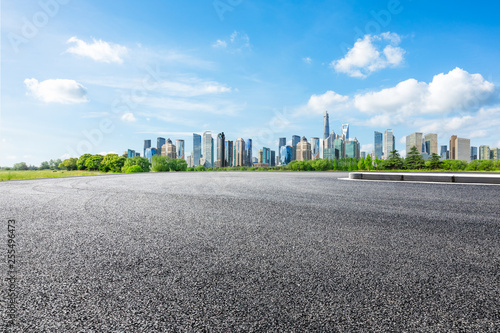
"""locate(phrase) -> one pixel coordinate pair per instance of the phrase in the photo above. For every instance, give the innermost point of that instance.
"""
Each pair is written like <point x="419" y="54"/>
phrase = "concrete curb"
<point x="428" y="177"/>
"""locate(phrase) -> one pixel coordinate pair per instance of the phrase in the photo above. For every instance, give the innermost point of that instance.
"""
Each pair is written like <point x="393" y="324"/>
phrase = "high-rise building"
<point x="363" y="154"/>
<point x="266" y="155"/>
<point x="180" y="149"/>
<point x="150" y="152"/>
<point x="221" y="150"/>
<point x="453" y="147"/>
<point x="352" y="149"/>
<point x="295" y="141"/>
<point x="378" y="144"/>
<point x="169" y="149"/>
<point x="229" y="153"/>
<point x="494" y="153"/>
<point x="331" y="153"/>
<point x="147" y="144"/>
<point x="137" y="154"/>
<point x="431" y="143"/>
<point x="444" y="152"/>
<point x="285" y="155"/>
<point x="196" y="149"/>
<point x="248" y="153"/>
<point x="462" y="149"/>
<point x="415" y="140"/>
<point x="314" y="148"/>
<point x="345" y="131"/>
<point x="208" y="149"/>
<point x="273" y="158"/>
<point x="473" y="153"/>
<point x="339" y="144"/>
<point x="303" y="150"/>
<point x="281" y="143"/>
<point x="389" y="143"/>
<point x="131" y="153"/>
<point x="159" y="143"/>
<point x="484" y="152"/>
<point x="239" y="152"/>
<point x="261" y="156"/>
<point x="326" y="125"/>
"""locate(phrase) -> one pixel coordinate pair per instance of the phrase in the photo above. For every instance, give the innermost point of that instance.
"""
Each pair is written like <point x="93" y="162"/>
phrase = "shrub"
<point x="134" y="168"/>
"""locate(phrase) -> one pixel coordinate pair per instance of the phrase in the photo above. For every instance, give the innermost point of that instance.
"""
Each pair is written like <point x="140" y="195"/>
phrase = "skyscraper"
<point x="266" y="155"/>
<point x="147" y="144"/>
<point x="352" y="149"/>
<point x="169" y="149"/>
<point x="159" y="143"/>
<point x="389" y="143"/>
<point x="180" y="148"/>
<point x="473" y="153"/>
<point x="414" y="140"/>
<point x="248" y="153"/>
<point x="285" y="155"/>
<point x="453" y="148"/>
<point x="221" y="150"/>
<point x="239" y="152"/>
<point x="484" y="152"/>
<point x="326" y="126"/>
<point x="378" y="144"/>
<point x="444" y="152"/>
<point x="345" y="131"/>
<point x="303" y="150"/>
<point x="281" y="143"/>
<point x="150" y="152"/>
<point x="295" y="141"/>
<point x="196" y="149"/>
<point x="431" y="143"/>
<point x="229" y="153"/>
<point x="273" y="158"/>
<point x="314" y="148"/>
<point x="494" y="154"/>
<point x="208" y="149"/>
<point x="462" y="149"/>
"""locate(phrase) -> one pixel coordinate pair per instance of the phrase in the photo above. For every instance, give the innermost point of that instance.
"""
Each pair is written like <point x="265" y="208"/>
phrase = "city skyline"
<point x="96" y="77"/>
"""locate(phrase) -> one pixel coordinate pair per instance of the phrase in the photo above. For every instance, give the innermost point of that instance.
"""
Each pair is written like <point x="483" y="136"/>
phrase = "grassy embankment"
<point x="34" y="174"/>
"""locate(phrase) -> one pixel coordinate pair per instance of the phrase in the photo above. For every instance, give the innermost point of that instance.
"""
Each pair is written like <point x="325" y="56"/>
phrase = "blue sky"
<point x="102" y="76"/>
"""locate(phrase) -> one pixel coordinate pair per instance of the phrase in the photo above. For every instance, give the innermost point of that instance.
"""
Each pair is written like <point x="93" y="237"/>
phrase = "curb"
<point x="427" y="177"/>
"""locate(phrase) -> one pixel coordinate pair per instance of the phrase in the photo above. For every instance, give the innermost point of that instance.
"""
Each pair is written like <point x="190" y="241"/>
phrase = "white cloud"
<point x="99" y="50"/>
<point x="307" y="60"/>
<point x="128" y="117"/>
<point x="456" y="91"/>
<point x="330" y="101"/>
<point x="368" y="148"/>
<point x="192" y="87"/>
<point x="238" y="41"/>
<point x="57" y="91"/>
<point x="367" y="57"/>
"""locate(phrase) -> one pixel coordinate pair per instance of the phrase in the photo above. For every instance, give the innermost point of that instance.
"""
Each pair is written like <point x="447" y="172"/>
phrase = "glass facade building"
<point x="159" y="143"/>
<point x="295" y="141"/>
<point x="444" y="152"/>
<point x="179" y="144"/>
<point x="281" y="143"/>
<point x="390" y="142"/>
<point x="345" y="131"/>
<point x="331" y="153"/>
<point x="221" y="150"/>
<point x="248" y="153"/>
<point x="378" y="144"/>
<point x="150" y="152"/>
<point x="352" y="149"/>
<point x="131" y="153"/>
<point x="229" y="153"/>
<point x="285" y="155"/>
<point x="473" y="153"/>
<point x="147" y="144"/>
<point x="208" y="149"/>
<point x="266" y="155"/>
<point x="273" y="158"/>
<point x="314" y="148"/>
<point x="326" y="125"/>
<point x="196" y="149"/>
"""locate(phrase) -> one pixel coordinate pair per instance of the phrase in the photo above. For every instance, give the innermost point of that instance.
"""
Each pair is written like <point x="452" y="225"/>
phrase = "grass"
<point x="35" y="174"/>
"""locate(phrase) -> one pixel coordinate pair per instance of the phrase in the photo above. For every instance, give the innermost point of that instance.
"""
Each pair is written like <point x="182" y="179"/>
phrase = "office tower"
<point x="444" y="152"/>
<point x="273" y="158"/>
<point x="303" y="150"/>
<point x="196" y="149"/>
<point x="331" y="153"/>
<point x="180" y="148"/>
<point x="414" y="140"/>
<point x="378" y="144"/>
<point x="389" y="143"/>
<point x="326" y="126"/>
<point x="229" y="153"/>
<point x="261" y="156"/>
<point x="149" y="153"/>
<point x="147" y="144"/>
<point x="431" y="143"/>
<point x="295" y="141"/>
<point x="494" y="153"/>
<point x="473" y="153"/>
<point x="314" y="148"/>
<point x="169" y="149"/>
<point x="159" y="143"/>
<point x="208" y="149"/>
<point x="363" y="155"/>
<point x="239" y="152"/>
<point x="255" y="160"/>
<point x="189" y="160"/>
<point x="281" y="143"/>
<point x="137" y="154"/>
<point x="452" y="146"/>
<point x="130" y="153"/>
<point x="484" y="152"/>
<point x="339" y="144"/>
<point x="345" y="131"/>
<point x="462" y="147"/>
<point x="285" y="155"/>
<point x="266" y="155"/>
<point x="248" y="153"/>
<point x="221" y="150"/>
<point x="352" y="149"/>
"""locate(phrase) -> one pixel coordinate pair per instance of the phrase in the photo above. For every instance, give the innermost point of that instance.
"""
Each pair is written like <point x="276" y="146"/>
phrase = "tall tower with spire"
<point x="326" y="131"/>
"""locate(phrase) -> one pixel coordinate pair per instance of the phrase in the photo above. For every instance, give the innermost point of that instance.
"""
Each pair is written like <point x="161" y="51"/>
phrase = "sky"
<point x="102" y="76"/>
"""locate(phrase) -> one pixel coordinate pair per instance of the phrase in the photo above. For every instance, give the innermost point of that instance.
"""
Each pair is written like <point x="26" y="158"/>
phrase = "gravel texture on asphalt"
<point x="252" y="251"/>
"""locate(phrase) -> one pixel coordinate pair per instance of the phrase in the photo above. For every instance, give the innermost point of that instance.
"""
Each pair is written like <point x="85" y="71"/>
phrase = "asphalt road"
<point x="251" y="251"/>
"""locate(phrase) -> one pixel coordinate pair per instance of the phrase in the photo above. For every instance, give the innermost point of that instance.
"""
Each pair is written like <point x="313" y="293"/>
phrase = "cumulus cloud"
<point x="128" y="117"/>
<point x="57" y="91"/>
<point x="307" y="60"/>
<point x="330" y="101"/>
<point x="367" y="55"/>
<point x="192" y="87"/>
<point x="457" y="90"/>
<point x="237" y="42"/>
<point x="99" y="50"/>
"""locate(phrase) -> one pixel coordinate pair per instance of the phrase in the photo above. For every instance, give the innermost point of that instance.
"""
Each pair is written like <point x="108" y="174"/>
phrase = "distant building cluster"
<point x="227" y="153"/>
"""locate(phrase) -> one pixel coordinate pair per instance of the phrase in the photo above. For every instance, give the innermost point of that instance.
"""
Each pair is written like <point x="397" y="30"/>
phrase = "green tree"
<point x="20" y="166"/>
<point x="159" y="163"/>
<point x="368" y="163"/>
<point x="106" y="163"/>
<point x="134" y="168"/>
<point x="414" y="160"/>
<point x="393" y="162"/>
<point x="200" y="168"/>
<point x="81" y="161"/>
<point x="142" y="162"/>
<point x="321" y="164"/>
<point x="69" y="164"/>
<point x="434" y="162"/>
<point x="44" y="165"/>
<point x="361" y="164"/>
<point x="93" y="162"/>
